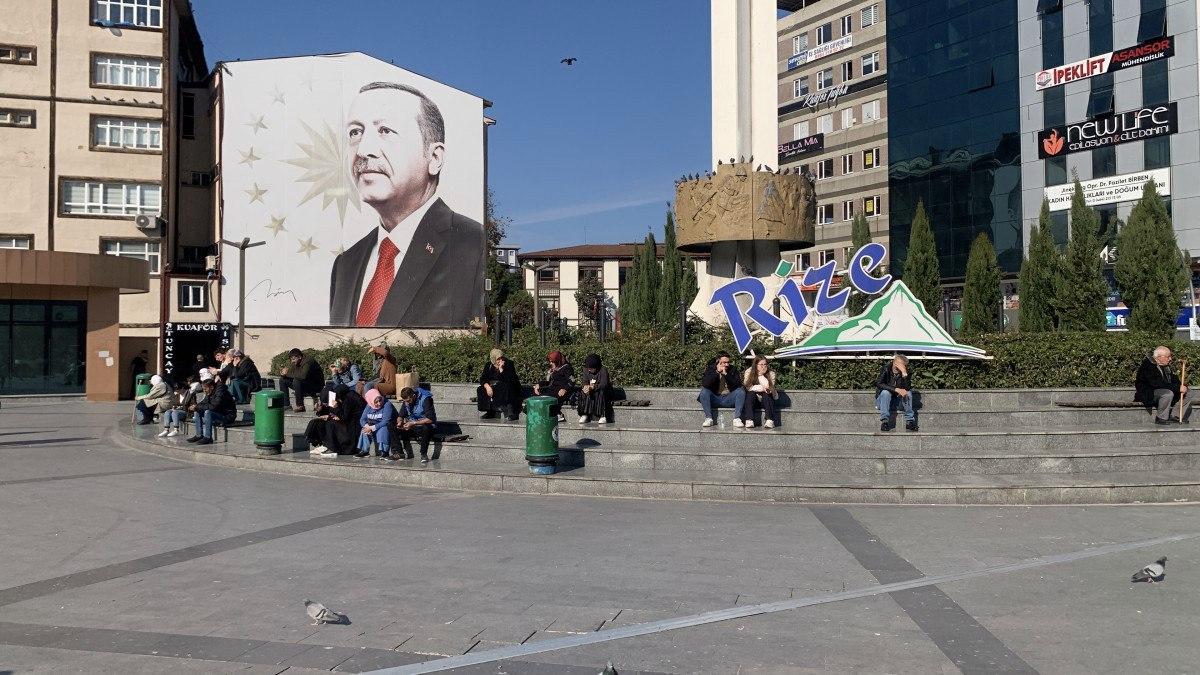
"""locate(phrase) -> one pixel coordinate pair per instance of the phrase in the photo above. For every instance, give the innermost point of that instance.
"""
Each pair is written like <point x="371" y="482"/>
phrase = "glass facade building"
<point x="955" y="131"/>
<point x="41" y="346"/>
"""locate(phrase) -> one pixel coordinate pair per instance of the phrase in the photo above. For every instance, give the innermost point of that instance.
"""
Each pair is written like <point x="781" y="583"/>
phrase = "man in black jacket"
<point x="1159" y="387"/>
<point x="303" y="376"/>
<point x="721" y="388"/>
<point x="216" y="408"/>
<point x="894" y="385"/>
<point x="244" y="378"/>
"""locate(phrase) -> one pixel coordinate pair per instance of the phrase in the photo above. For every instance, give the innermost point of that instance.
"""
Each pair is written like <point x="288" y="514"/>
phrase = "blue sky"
<point x="582" y="153"/>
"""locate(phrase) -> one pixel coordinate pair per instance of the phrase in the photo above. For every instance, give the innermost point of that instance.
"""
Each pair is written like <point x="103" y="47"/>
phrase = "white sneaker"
<point x="749" y="424"/>
<point x="602" y="420"/>
<point x="769" y="424"/>
<point x="707" y="422"/>
<point x="317" y="450"/>
<point x="164" y="432"/>
<point x="737" y="422"/>
<point x="174" y="432"/>
<point x="583" y="419"/>
<point x="562" y="417"/>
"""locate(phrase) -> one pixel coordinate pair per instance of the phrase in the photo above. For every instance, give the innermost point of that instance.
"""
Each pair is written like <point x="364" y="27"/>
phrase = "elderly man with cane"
<point x="1159" y="387"/>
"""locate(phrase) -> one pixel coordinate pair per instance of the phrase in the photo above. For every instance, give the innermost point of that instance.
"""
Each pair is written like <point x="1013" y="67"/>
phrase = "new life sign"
<point x="895" y="321"/>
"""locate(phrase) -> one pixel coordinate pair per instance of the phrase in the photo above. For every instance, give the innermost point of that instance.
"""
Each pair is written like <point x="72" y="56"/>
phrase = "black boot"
<point x="885" y="425"/>
<point x="910" y="426"/>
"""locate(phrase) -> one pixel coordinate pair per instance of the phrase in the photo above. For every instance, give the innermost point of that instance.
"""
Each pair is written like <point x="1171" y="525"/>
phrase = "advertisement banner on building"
<point x="365" y="181"/>
<point x="1111" y="190"/>
<point x="1099" y="132"/>
<point x="1141" y="54"/>
<point x="820" y="52"/>
<point x="801" y="146"/>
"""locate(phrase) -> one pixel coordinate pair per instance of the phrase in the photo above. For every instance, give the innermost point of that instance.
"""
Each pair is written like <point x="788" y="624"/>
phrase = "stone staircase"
<point x="986" y="446"/>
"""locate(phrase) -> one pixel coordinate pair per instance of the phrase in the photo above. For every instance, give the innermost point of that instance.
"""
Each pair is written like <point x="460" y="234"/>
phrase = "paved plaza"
<point x="120" y="561"/>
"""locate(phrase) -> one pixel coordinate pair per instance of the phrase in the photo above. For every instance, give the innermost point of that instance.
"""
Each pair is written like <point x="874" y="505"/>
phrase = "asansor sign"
<point x="1106" y="130"/>
<point x="820" y="51"/>
<point x="801" y="146"/>
<point x="1111" y="190"/>
<point x="893" y="322"/>
<point x="1150" y="50"/>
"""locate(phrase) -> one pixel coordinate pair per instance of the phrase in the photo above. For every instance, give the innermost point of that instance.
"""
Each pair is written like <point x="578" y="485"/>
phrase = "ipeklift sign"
<point x="1099" y="132"/>
<point x="801" y="146"/>
<point x="893" y="322"/>
<point x="1138" y="55"/>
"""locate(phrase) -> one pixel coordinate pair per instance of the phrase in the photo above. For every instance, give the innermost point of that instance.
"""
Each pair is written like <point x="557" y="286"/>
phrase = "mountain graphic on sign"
<point x="895" y="321"/>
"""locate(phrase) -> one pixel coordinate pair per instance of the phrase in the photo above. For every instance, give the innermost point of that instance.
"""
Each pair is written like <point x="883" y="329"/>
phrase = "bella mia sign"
<point x="894" y="321"/>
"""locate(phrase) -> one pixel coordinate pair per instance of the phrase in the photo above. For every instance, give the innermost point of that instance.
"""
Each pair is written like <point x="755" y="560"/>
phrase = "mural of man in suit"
<point x="423" y="264"/>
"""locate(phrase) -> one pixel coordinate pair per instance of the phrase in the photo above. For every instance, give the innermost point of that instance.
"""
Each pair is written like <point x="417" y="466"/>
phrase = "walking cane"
<point x="1183" y="381"/>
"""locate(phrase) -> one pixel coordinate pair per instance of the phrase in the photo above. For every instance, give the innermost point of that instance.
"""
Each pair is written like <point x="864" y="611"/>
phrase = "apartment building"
<point x="833" y="116"/>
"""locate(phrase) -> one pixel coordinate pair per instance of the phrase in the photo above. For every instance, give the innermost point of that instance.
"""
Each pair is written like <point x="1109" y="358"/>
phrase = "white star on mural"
<point x="256" y="193"/>
<point x="276" y="225"/>
<point x="277" y="95"/>
<point x="256" y="124"/>
<point x="325" y="167"/>
<point x="339" y="250"/>
<point x="307" y="247"/>
<point x="307" y="82"/>
<point x="249" y="158"/>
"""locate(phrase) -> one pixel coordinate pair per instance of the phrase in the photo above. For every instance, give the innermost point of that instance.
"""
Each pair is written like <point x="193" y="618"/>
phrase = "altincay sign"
<point x="1106" y="130"/>
<point x="1151" y="50"/>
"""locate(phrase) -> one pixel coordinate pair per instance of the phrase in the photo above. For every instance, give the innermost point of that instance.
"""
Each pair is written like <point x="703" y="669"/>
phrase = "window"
<point x="1101" y="100"/>
<point x="799" y="43"/>
<point x="848" y="210"/>
<point x="1047" y="6"/>
<point x="846" y="253"/>
<point x="18" y="54"/>
<point x="868" y="16"/>
<point x="1052" y="38"/>
<point x="126" y="133"/>
<point x="848" y="163"/>
<point x="825" y="79"/>
<point x="193" y="296"/>
<point x="870" y="111"/>
<point x="824" y="33"/>
<point x="592" y="273"/>
<point x="84" y="197"/>
<point x="144" y="250"/>
<point x="22" y="241"/>
<point x="825" y="124"/>
<point x="143" y="13"/>
<point x="847" y="71"/>
<point x="13" y="117"/>
<point x="548" y="274"/>
<point x="200" y="179"/>
<point x="824" y="216"/>
<point x="187" y="116"/>
<point x="1153" y="23"/>
<point x="126" y="71"/>
<point x="803" y="261"/>
<point x="1056" y="170"/>
<point x="1104" y="162"/>
<point x="847" y="24"/>
<point x="871" y="206"/>
<point x="870" y="158"/>
<point x="800" y="130"/>
<point x="847" y="118"/>
<point x="1157" y="152"/>
<point x="825" y="168"/>
<point x="800" y="87"/>
<point x="827" y="255"/>
<point x="870" y="63"/>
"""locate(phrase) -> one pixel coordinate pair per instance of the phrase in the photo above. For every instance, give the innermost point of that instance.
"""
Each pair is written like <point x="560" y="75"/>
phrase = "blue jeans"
<point x="174" y="417"/>
<point x="239" y="389"/>
<point x="734" y="399"/>
<point x="204" y="422"/>
<point x="884" y="400"/>
<point x="381" y="438"/>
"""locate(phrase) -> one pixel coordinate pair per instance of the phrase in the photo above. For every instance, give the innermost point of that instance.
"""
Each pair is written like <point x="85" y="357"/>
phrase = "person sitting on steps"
<point x="721" y="388"/>
<point x="1158" y="387"/>
<point x="759" y="382"/>
<point x="153" y="402"/>
<point x="559" y="383"/>
<point x="173" y="418"/>
<point x="894" y="386"/>
<point x="244" y="378"/>
<point x="417" y="419"/>
<point x="376" y="422"/>
<point x="303" y="376"/>
<point x="595" y="396"/>
<point x="216" y="409"/>
<point x="499" y="388"/>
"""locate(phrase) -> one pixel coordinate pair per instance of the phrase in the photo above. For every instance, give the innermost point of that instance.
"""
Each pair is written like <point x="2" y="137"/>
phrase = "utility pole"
<point x="241" y="246"/>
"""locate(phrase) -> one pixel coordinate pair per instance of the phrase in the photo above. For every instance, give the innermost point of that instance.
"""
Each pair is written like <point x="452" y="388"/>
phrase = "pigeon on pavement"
<point x="321" y="614"/>
<point x="1155" y="571"/>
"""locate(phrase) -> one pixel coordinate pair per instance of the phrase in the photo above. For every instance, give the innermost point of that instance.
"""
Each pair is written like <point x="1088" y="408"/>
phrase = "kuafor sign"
<point x="1141" y="54"/>
<point x="1100" y="132"/>
<point x="1111" y="190"/>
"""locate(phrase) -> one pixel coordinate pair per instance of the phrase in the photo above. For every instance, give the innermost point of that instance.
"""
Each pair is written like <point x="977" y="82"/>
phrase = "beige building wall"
<point x="568" y="283"/>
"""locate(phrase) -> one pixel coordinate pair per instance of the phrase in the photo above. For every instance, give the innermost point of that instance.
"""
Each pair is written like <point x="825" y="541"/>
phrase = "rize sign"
<point x="1099" y="132"/>
<point x="895" y="321"/>
<point x="1151" y="50"/>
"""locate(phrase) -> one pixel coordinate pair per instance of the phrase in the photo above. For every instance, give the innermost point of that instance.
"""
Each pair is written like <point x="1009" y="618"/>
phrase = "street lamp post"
<point x="241" y="246"/>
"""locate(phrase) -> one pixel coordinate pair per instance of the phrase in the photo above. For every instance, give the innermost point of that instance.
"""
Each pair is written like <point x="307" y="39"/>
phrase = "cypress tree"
<point x="1036" y="282"/>
<point x="652" y="278"/>
<point x="689" y="287"/>
<point x="672" y="276"/>
<point x="627" y="308"/>
<point x="981" y="290"/>
<point x="860" y="235"/>
<point x="1149" y="269"/>
<point x="921" y="272"/>
<point x="1080" y="290"/>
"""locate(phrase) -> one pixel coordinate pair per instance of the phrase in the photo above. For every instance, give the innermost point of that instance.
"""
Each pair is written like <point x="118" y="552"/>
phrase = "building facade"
<point x="833" y="116"/>
<point x="93" y="104"/>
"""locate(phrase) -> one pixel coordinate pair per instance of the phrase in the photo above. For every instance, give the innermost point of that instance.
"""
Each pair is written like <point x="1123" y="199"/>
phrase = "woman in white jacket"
<point x="153" y="402"/>
<point x="759" y="381"/>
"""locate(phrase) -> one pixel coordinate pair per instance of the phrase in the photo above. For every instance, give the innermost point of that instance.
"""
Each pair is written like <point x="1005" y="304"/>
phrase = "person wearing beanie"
<point x="595" y="396"/>
<point x="499" y="388"/>
<point x="559" y="382"/>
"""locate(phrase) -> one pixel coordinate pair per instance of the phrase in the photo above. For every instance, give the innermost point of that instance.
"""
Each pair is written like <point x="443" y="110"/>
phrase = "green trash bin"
<point x="541" y="434"/>
<point x="141" y="384"/>
<point x="268" y="421"/>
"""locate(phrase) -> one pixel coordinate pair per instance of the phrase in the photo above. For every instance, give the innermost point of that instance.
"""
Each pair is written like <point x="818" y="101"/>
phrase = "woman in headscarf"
<point x="153" y="402"/>
<point x="559" y="382"/>
<point x="595" y="395"/>
<point x="499" y="388"/>
<point x="335" y="429"/>
<point x="376" y="422"/>
<point x="383" y="372"/>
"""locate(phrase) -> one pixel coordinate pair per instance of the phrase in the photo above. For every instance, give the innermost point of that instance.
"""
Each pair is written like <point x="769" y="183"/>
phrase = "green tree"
<point x="689" y="286"/>
<point x="1080" y="290"/>
<point x="672" y="277"/>
<point x="494" y="226"/>
<point x="981" y="290"/>
<point x="639" y="298"/>
<point x="860" y="236"/>
<point x="589" y="291"/>
<point x="1036" y="281"/>
<point x="922" y="273"/>
<point x="1149" y="269"/>
<point x="520" y="304"/>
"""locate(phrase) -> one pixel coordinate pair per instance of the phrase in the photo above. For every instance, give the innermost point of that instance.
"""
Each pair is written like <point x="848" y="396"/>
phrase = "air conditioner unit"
<point x="147" y="222"/>
<point x="211" y="262"/>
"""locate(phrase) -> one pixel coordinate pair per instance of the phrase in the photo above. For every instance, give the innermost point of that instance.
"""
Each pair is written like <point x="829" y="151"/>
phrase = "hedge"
<point x="658" y="360"/>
